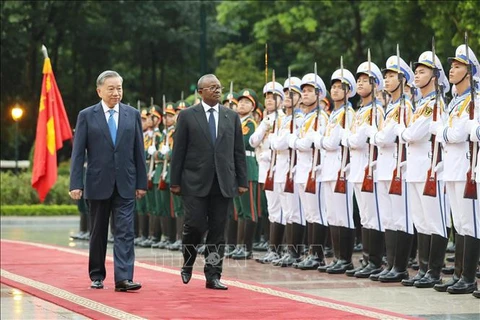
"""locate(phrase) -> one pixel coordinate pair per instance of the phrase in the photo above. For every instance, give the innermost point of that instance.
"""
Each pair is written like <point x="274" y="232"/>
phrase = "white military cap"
<point x="348" y="78"/>
<point x="374" y="72"/>
<point x="316" y="82"/>
<point x="391" y="65"/>
<point x="276" y="88"/>
<point x="461" y="56"/>
<point x="294" y="83"/>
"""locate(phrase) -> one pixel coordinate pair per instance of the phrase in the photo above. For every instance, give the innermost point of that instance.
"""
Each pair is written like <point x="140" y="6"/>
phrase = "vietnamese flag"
<point x="52" y="129"/>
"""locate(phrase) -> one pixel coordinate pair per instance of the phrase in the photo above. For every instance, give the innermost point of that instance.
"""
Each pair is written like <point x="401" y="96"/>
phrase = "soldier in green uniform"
<point x="154" y="230"/>
<point x="230" y="100"/>
<point x="177" y="200"/>
<point x="163" y="199"/>
<point x="245" y="205"/>
<point x="141" y="204"/>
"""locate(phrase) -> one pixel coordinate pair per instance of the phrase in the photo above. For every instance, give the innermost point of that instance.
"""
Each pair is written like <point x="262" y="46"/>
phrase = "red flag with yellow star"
<point x="52" y="129"/>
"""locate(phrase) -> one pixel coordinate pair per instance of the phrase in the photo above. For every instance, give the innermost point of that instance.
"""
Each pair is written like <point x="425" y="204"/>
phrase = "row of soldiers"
<point x="309" y="152"/>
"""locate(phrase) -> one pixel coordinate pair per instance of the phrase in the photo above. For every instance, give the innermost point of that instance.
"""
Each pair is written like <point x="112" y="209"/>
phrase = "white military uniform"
<point x="290" y="202"/>
<point x="262" y="139"/>
<point x="370" y="217"/>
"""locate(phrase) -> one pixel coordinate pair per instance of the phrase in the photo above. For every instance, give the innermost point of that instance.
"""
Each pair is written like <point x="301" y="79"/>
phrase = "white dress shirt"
<point x="106" y="111"/>
<point x="207" y="108"/>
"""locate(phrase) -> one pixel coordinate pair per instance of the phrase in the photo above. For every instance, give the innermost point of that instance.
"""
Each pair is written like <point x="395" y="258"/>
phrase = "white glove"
<point x="435" y="127"/>
<point x="371" y="131"/>
<point x="318" y="168"/>
<point x="472" y="125"/>
<point x="152" y="175"/>
<point x="347" y="168"/>
<point x="291" y="140"/>
<point x="264" y="156"/>
<point x="274" y="168"/>
<point x="345" y="136"/>
<point x="164" y="149"/>
<point x="294" y="168"/>
<point x="374" y="164"/>
<point x="398" y="129"/>
<point x="403" y="164"/>
<point x="151" y="150"/>
<point x="164" y="175"/>
<point x="439" y="167"/>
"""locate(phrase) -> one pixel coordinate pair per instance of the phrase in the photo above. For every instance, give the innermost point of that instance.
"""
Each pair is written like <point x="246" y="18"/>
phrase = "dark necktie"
<point x="211" y="125"/>
<point x="112" y="126"/>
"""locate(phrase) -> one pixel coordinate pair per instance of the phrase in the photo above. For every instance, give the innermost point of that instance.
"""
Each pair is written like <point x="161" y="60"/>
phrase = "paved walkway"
<point x="425" y="303"/>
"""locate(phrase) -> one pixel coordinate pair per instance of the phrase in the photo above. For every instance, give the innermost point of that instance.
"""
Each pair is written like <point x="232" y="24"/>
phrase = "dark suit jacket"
<point x="195" y="158"/>
<point x="122" y="164"/>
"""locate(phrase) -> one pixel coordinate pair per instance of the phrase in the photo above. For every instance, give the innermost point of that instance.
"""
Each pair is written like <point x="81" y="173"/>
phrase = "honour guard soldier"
<point x="153" y="221"/>
<point x="339" y="206"/>
<point x="258" y="113"/>
<point x="230" y="100"/>
<point x="362" y="174"/>
<point x="393" y="203"/>
<point x="245" y="205"/>
<point x="274" y="97"/>
<point x="307" y="175"/>
<point x="455" y="135"/>
<point x="427" y="211"/>
<point x="141" y="204"/>
<point x="163" y="199"/>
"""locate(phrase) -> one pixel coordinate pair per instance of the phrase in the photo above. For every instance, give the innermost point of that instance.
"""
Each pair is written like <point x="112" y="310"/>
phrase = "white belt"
<point x="250" y="153"/>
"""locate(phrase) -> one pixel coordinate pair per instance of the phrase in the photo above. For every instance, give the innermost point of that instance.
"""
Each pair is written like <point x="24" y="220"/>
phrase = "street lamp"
<point x="17" y="113"/>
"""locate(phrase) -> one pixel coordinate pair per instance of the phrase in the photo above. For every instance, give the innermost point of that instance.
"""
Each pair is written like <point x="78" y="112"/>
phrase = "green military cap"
<point x="181" y="104"/>
<point x="144" y="113"/>
<point x="227" y="96"/>
<point x="259" y="110"/>
<point x="170" y="107"/>
<point x="156" y="111"/>
<point x="249" y="94"/>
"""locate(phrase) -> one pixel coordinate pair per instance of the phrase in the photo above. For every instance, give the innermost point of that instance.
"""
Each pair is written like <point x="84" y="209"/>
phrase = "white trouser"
<point x="368" y="207"/>
<point x="275" y="210"/>
<point x="339" y="206"/>
<point x="313" y="204"/>
<point x="291" y="206"/>
<point x="393" y="208"/>
<point x="427" y="212"/>
<point x="465" y="212"/>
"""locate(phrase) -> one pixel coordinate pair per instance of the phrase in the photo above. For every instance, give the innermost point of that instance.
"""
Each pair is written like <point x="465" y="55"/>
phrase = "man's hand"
<point x="140" y="193"/>
<point x="242" y="190"/>
<point x="175" y="190"/>
<point x="76" y="194"/>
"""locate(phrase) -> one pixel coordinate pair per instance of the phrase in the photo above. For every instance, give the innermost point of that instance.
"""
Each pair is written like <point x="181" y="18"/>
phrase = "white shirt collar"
<point x="206" y="107"/>
<point x="106" y="108"/>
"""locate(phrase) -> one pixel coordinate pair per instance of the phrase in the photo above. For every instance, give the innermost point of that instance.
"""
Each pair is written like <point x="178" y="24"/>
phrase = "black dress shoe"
<point x="448" y="270"/>
<point x="97" y="284"/>
<point x="127" y="285"/>
<point x="442" y="287"/>
<point x="216" y="285"/>
<point x="186" y="275"/>
<point x="463" y="287"/>
<point x="476" y="294"/>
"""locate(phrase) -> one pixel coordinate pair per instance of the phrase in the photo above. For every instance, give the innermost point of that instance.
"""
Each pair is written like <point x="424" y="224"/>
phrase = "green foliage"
<point x="17" y="189"/>
<point x="38" y="210"/>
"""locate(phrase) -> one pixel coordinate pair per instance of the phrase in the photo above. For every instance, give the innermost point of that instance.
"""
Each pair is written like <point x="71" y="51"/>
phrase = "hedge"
<point x="39" y="210"/>
<point x="17" y="189"/>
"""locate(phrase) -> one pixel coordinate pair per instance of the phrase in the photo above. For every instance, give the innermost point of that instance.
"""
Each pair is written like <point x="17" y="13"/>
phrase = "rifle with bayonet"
<point x="269" y="183"/>
<point x="430" y="188"/>
<point x="396" y="184"/>
<point x="162" y="185"/>
<point x="230" y="96"/>
<point x="311" y="184"/>
<point x="470" y="191"/>
<point x="367" y="185"/>
<point x="291" y="153"/>
<point x="340" y="185"/>
<point x="152" y="162"/>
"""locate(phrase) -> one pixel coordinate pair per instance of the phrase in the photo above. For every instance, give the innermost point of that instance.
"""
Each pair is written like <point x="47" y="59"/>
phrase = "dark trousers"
<point x="205" y="214"/>
<point x="122" y="212"/>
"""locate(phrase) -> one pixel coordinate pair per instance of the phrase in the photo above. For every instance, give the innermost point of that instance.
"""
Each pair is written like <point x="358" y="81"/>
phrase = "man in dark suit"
<point x="111" y="133"/>
<point x="208" y="169"/>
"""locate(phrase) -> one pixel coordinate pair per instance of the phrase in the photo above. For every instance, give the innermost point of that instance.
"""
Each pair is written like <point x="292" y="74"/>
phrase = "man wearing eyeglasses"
<point x="208" y="169"/>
